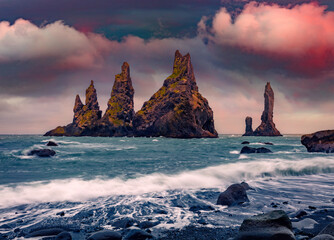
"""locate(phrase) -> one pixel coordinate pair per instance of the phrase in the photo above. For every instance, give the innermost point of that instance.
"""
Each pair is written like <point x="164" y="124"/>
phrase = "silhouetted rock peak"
<point x="177" y="109"/>
<point x="249" y="127"/>
<point x="120" y="110"/>
<point x="91" y="97"/>
<point x="268" y="112"/>
<point x="267" y="126"/>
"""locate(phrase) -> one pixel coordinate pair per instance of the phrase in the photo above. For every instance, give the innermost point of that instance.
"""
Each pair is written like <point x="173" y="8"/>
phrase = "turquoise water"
<point x="138" y="177"/>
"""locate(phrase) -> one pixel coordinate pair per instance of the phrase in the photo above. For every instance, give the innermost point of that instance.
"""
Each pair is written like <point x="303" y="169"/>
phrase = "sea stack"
<point x="177" y="109"/>
<point x="85" y="119"/>
<point x="267" y="126"/>
<point x="322" y="141"/>
<point x="117" y="120"/>
<point x="249" y="127"/>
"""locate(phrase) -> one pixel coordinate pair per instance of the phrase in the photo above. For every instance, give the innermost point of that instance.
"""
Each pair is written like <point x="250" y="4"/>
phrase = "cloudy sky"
<point x="50" y="50"/>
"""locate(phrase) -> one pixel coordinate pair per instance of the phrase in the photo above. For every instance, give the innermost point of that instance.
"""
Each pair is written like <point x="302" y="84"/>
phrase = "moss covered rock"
<point x="177" y="109"/>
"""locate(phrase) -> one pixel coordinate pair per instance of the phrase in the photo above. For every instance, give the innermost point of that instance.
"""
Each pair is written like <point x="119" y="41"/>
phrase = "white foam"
<point x="234" y="152"/>
<point x="212" y="177"/>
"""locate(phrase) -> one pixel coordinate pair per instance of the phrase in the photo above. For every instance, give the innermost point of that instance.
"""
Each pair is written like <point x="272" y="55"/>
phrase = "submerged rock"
<point x="274" y="225"/>
<point x="267" y="126"/>
<point x="234" y="195"/>
<point x="247" y="150"/>
<point x="322" y="141"/>
<point x="177" y="109"/>
<point x="52" y="144"/>
<point x="137" y="234"/>
<point x="245" y="142"/>
<point x="105" y="235"/>
<point x="249" y="128"/>
<point x="45" y="232"/>
<point x="64" y="236"/>
<point x="42" y="152"/>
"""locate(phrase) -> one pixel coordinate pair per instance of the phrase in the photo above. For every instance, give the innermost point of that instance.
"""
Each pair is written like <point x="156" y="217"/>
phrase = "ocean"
<point x="92" y="182"/>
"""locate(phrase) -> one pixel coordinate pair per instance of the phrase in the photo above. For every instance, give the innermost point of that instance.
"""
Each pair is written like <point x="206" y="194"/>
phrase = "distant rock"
<point x="274" y="225"/>
<point x="245" y="142"/>
<point x="267" y="126"/>
<point x="177" y="109"/>
<point x="322" y="141"/>
<point x="42" y="152"/>
<point x="51" y="144"/>
<point x="268" y="143"/>
<point x="234" y="195"/>
<point x="105" y="235"/>
<point x="248" y="150"/>
<point x="249" y="128"/>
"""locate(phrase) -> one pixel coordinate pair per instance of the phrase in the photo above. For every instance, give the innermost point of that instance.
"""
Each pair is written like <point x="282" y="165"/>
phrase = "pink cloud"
<point x="302" y="37"/>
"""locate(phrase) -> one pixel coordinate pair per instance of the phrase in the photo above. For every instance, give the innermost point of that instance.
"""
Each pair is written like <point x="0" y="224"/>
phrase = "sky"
<point x="50" y="50"/>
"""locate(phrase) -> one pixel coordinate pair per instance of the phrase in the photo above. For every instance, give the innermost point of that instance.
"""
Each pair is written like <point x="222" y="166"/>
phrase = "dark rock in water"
<point x="245" y="142"/>
<point x="177" y="109"/>
<point x="105" y="235"/>
<point x="323" y="237"/>
<point x="201" y="207"/>
<point x="62" y="213"/>
<point x="52" y="144"/>
<point x="247" y="150"/>
<point x="42" y="152"/>
<point x="148" y="224"/>
<point x="137" y="234"/>
<point x="329" y="229"/>
<point x="123" y="222"/>
<point x="268" y="143"/>
<point x="234" y="195"/>
<point x="267" y="126"/>
<point x="45" y="232"/>
<point x="312" y="208"/>
<point x="274" y="225"/>
<point x="64" y="236"/>
<point x="300" y="213"/>
<point x="249" y="128"/>
<point x="322" y="141"/>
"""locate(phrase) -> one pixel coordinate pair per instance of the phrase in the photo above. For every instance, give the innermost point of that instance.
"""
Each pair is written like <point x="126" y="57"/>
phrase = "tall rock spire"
<point x="91" y="97"/>
<point x="177" y="109"/>
<point x="267" y="127"/>
<point x="120" y="110"/>
<point x="249" y="128"/>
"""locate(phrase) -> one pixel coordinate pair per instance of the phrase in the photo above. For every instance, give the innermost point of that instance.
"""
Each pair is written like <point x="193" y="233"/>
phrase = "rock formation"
<point x="267" y="126"/>
<point x="117" y="120"/>
<point x="322" y="141"/>
<point x="249" y="128"/>
<point x="234" y="195"/>
<point x="177" y="109"/>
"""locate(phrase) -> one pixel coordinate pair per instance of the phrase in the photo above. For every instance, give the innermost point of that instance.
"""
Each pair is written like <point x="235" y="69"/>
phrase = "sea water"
<point x="96" y="180"/>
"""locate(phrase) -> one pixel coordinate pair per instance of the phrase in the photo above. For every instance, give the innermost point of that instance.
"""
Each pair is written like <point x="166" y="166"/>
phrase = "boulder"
<point x="322" y="141"/>
<point x="267" y="126"/>
<point x="148" y="224"/>
<point x="64" y="236"/>
<point x="245" y="142"/>
<point x="177" y="109"/>
<point x="123" y="222"/>
<point x="274" y="225"/>
<point x="323" y="237"/>
<point x="329" y="229"/>
<point x="42" y="152"/>
<point x="137" y="234"/>
<point x="105" y="235"/>
<point x="44" y="232"/>
<point x="249" y="128"/>
<point x="247" y="150"/>
<point x="52" y="144"/>
<point x="234" y="195"/>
